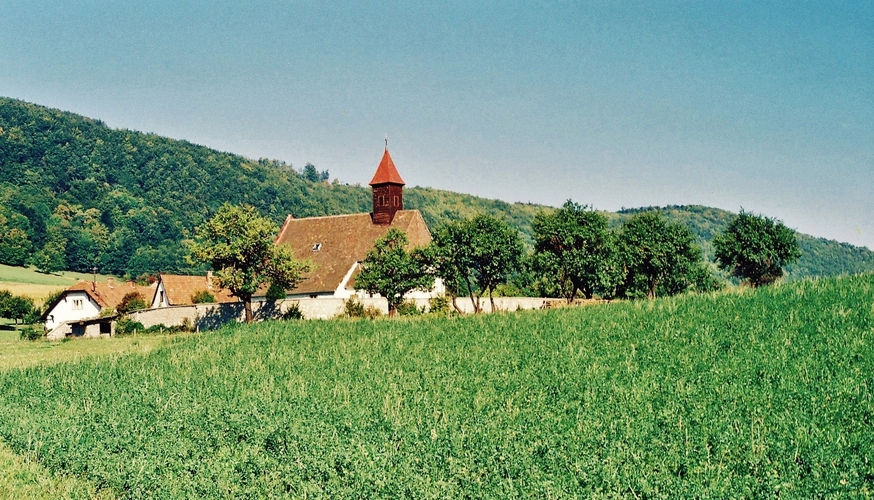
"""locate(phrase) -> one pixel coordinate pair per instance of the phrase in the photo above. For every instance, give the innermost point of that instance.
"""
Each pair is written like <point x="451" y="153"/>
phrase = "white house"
<point x="77" y="310"/>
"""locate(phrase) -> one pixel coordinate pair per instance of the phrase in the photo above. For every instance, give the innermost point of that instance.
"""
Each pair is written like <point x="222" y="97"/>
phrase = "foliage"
<point x="15" y="246"/>
<point x="132" y="301"/>
<point x="407" y="308"/>
<point x="354" y="309"/>
<point x="755" y="248"/>
<point x="85" y="194"/>
<point x="392" y="271"/>
<point x="579" y="248"/>
<point x="16" y="307"/>
<point x="751" y="394"/>
<point x="127" y="326"/>
<point x="475" y="255"/>
<point x="238" y="243"/>
<point x="202" y="297"/>
<point x="31" y="333"/>
<point x="293" y="312"/>
<point x="660" y="257"/>
<point x="438" y="305"/>
<point x="274" y="293"/>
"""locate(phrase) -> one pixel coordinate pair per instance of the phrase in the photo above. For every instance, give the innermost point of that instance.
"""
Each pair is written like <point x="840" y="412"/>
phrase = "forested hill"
<point x="123" y="201"/>
<point x="77" y="192"/>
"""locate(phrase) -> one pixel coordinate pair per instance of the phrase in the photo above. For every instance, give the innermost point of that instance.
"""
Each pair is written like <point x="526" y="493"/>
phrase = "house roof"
<point x="107" y="295"/>
<point x="334" y="244"/>
<point x="180" y="289"/>
<point x="386" y="173"/>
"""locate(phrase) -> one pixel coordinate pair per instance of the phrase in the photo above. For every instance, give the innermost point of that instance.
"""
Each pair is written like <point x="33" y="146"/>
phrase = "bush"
<point x="31" y="333"/>
<point x="125" y="326"/>
<point x="409" y="309"/>
<point x="202" y="297"/>
<point x="293" y="312"/>
<point x="439" y="305"/>
<point x="187" y="325"/>
<point x="274" y="293"/>
<point x="132" y="301"/>
<point x="354" y="309"/>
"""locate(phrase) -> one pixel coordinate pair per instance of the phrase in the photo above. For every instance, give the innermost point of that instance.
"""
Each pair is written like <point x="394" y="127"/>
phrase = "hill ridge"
<point x="123" y="200"/>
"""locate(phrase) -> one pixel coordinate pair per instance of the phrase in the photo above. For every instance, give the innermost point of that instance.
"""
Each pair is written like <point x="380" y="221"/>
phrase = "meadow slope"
<point x="750" y="393"/>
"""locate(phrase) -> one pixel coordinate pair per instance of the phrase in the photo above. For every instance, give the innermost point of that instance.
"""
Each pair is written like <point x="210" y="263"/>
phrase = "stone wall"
<point x="212" y="316"/>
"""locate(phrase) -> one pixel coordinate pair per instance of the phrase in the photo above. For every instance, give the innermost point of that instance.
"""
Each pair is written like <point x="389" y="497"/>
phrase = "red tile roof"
<point x="180" y="289"/>
<point x="109" y="295"/>
<point x="386" y="173"/>
<point x="343" y="240"/>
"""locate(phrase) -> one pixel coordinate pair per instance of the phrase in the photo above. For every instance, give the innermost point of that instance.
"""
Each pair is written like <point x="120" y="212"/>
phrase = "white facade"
<point x="74" y="305"/>
<point x="160" y="299"/>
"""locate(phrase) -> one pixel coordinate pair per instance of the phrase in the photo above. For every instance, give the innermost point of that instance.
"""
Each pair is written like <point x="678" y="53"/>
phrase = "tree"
<point x="392" y="271"/>
<point x="132" y="301"/>
<point x="476" y="255"/>
<point x="15" y="307"/>
<point x="15" y="246"/>
<point x="659" y="257"/>
<point x="755" y="248"/>
<point x="579" y="246"/>
<point x="238" y="243"/>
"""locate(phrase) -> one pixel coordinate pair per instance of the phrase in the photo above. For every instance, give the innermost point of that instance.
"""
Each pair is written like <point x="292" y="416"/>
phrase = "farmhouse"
<point x="337" y="244"/>
<point x="77" y="310"/>
<point x="178" y="290"/>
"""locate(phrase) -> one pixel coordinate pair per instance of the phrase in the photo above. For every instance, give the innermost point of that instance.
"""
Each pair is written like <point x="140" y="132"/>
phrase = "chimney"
<point x="209" y="280"/>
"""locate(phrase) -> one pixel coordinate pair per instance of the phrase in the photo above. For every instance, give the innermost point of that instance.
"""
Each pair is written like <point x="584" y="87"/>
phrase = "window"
<point x="77" y="304"/>
<point x="317" y="247"/>
<point x="397" y="202"/>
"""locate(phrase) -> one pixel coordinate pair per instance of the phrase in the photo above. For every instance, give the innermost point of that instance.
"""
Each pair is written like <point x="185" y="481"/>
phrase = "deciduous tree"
<point x="659" y="257"/>
<point x="476" y="255"/>
<point x="755" y="248"/>
<point x="238" y="243"/>
<point x="392" y="271"/>
<point x="580" y="247"/>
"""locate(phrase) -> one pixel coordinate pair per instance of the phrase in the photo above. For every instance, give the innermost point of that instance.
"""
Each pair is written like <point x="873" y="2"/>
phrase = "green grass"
<point x="32" y="276"/>
<point x="751" y="393"/>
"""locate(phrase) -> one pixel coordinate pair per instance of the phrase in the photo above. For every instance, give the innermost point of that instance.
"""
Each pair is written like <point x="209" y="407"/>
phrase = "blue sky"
<point x="767" y="106"/>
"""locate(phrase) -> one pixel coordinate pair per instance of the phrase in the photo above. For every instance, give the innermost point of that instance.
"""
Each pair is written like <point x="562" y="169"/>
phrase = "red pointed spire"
<point x="386" y="173"/>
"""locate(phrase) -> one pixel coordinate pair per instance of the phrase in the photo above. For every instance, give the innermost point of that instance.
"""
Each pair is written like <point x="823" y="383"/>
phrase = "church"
<point x="337" y="244"/>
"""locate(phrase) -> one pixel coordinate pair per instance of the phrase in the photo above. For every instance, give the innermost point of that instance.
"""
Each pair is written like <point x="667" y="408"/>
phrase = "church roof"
<point x="335" y="243"/>
<point x="386" y="173"/>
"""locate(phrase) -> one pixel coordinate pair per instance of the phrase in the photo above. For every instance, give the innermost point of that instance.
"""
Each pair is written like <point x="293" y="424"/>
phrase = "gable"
<point x="334" y="243"/>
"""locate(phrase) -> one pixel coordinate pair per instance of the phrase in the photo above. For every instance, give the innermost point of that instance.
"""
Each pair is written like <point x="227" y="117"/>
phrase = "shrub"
<point x="409" y="309"/>
<point x="293" y="312"/>
<point x="125" y="326"/>
<point x="132" y="301"/>
<point x="275" y="293"/>
<point x="202" y="297"/>
<point x="31" y="333"/>
<point x="354" y="309"/>
<point x="439" y="305"/>
<point x="187" y="325"/>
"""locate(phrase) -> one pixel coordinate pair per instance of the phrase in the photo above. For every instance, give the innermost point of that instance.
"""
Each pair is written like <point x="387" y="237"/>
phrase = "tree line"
<point x="576" y="254"/>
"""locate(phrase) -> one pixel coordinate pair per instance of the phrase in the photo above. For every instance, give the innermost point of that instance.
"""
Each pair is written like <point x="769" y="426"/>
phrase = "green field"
<point x="749" y="393"/>
<point x="36" y="285"/>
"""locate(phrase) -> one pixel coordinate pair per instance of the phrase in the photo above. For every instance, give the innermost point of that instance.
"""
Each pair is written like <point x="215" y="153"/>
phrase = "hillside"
<point x="741" y="394"/>
<point x="87" y="195"/>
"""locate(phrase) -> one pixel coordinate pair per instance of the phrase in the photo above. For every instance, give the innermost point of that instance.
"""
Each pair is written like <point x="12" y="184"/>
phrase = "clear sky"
<point x="767" y="106"/>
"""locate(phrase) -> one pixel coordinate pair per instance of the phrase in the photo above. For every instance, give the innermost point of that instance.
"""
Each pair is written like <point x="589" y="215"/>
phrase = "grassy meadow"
<point x="27" y="281"/>
<point x="749" y="393"/>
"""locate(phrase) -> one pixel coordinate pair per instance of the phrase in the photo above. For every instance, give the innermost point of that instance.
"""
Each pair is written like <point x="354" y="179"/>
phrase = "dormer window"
<point x="317" y="247"/>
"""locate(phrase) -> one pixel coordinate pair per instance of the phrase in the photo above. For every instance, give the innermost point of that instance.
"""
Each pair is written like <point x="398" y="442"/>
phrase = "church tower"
<point x="388" y="190"/>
